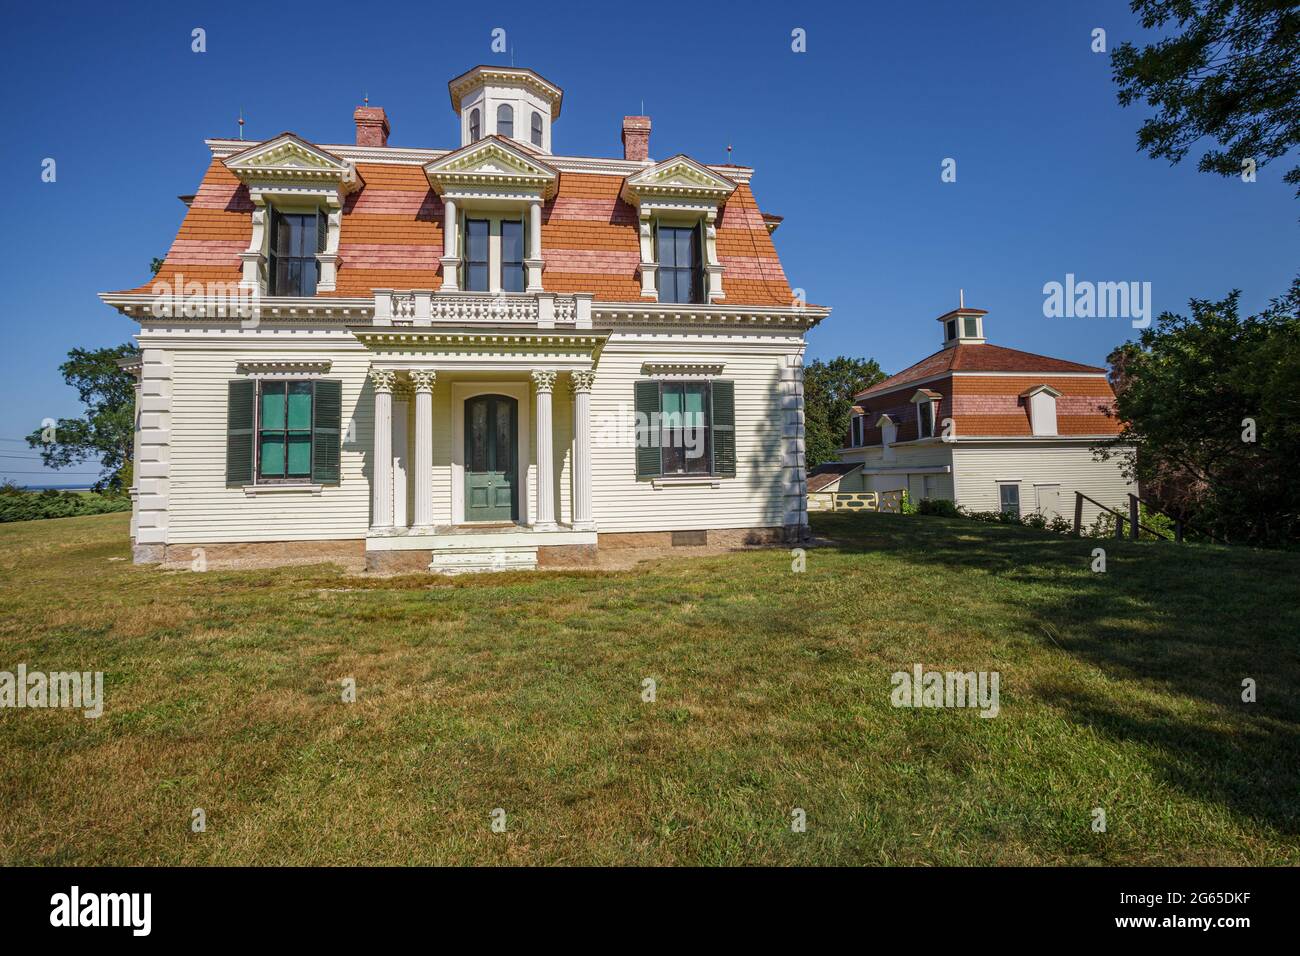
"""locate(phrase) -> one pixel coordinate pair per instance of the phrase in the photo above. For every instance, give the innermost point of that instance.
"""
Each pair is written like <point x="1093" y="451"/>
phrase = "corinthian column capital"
<point x="543" y="380"/>
<point x="582" y="380"/>
<point x="383" y="379"/>
<point x="423" y="379"/>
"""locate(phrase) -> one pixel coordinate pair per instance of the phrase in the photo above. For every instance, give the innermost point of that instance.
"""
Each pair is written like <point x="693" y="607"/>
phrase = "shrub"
<point x="20" y="505"/>
<point x="938" y="506"/>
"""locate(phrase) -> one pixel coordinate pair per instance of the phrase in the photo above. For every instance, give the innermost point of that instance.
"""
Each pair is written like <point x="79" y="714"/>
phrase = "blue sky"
<point x="847" y="138"/>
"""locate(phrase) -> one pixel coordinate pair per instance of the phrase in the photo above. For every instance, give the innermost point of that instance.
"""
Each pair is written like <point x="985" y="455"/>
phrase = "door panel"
<point x="491" y="432"/>
<point x="1049" y="499"/>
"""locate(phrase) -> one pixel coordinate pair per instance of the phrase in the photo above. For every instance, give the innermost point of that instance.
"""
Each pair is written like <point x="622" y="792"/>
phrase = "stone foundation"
<point x="713" y="537"/>
<point x="148" y="553"/>
<point x="566" y="556"/>
<point x="348" y="553"/>
<point x="399" y="562"/>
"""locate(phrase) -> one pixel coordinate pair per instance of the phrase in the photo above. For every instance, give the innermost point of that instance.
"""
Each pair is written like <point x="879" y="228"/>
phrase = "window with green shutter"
<point x="685" y="428"/>
<point x="280" y="432"/>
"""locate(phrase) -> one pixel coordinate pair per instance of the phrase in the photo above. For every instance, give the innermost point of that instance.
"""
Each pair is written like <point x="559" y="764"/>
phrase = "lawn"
<point x="523" y="691"/>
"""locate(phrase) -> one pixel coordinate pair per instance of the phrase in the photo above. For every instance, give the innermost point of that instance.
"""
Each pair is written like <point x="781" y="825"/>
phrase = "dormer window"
<point x="1040" y="403"/>
<point x="537" y="129"/>
<point x="926" y="402"/>
<point x="296" y="239"/>
<point x="506" y="121"/>
<point x="856" y="430"/>
<point x="475" y="125"/>
<point x="680" y="274"/>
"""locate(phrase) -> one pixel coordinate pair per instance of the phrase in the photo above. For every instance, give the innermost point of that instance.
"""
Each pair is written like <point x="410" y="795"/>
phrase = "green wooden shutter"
<point x="723" y="394"/>
<point x="272" y="249"/>
<point x="241" y="396"/>
<point x="326" y="427"/>
<point x="648" y="407"/>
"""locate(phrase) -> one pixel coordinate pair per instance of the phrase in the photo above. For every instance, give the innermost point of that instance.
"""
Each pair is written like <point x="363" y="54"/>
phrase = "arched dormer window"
<point x="537" y="129"/>
<point x="506" y="120"/>
<point x="475" y="126"/>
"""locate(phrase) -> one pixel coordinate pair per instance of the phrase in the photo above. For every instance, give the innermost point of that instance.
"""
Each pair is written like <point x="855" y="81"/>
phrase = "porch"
<point x="480" y="460"/>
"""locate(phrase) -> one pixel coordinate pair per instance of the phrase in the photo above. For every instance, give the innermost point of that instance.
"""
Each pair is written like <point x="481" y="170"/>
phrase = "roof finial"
<point x="241" y="122"/>
<point x="961" y="298"/>
<point x="365" y="98"/>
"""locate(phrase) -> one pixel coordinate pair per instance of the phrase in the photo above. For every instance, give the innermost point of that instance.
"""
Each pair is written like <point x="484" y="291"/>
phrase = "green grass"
<point x="523" y="691"/>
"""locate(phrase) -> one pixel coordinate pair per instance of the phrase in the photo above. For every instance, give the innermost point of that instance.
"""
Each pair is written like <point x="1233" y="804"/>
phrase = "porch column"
<point x="581" y="383"/>
<point x="423" y="380"/>
<point x="450" y="262"/>
<point x="544" y="382"/>
<point x="381" y="468"/>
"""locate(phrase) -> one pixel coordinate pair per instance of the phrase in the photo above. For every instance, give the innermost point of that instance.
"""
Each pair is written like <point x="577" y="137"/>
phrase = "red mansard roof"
<point x="391" y="237"/>
<point x="977" y="358"/>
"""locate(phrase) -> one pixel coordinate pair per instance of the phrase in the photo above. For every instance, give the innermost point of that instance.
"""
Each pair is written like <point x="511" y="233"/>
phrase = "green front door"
<point x="490" y="432"/>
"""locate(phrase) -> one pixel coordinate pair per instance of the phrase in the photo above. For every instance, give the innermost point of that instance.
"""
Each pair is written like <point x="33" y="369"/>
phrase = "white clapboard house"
<point x="485" y="356"/>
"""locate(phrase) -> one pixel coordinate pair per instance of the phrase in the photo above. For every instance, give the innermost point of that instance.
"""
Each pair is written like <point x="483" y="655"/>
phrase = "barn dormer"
<point x="506" y="101"/>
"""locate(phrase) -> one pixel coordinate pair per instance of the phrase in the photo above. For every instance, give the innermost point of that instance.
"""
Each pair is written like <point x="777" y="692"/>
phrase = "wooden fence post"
<point x="1133" y="530"/>
<point x="1078" y="513"/>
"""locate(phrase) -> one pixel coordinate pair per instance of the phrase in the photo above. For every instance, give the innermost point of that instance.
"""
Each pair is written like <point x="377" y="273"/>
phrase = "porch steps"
<point x="474" y="560"/>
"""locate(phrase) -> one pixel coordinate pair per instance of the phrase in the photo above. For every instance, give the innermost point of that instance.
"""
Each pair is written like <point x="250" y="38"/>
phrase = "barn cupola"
<point x="963" y="326"/>
<point x="506" y="101"/>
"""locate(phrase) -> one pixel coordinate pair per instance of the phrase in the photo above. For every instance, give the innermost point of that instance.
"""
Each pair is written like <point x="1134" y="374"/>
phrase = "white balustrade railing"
<point x="418" y="307"/>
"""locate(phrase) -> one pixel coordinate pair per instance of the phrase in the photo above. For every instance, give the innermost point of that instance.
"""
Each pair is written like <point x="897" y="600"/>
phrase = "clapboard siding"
<point x="202" y="509"/>
<point x="979" y="471"/>
<point x="754" y="497"/>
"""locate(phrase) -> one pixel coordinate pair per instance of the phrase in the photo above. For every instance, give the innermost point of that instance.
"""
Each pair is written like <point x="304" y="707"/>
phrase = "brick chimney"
<point x="372" y="126"/>
<point x="636" y="137"/>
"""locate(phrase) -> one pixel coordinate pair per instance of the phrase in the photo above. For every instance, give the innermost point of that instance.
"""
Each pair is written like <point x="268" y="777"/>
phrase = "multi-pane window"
<point x="292" y="267"/>
<point x="506" y="120"/>
<point x="477" y="233"/>
<point x="537" y="129"/>
<point x="925" y="419"/>
<point x="475" y="125"/>
<point x="1009" y="499"/>
<point x="856" y="431"/>
<point x="685" y="440"/>
<point x="284" y="430"/>
<point x="680" y="276"/>
<point x="512" y="256"/>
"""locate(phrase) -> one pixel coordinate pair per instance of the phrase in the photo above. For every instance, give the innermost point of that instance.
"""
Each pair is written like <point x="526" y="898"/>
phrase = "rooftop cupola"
<point x="963" y="326"/>
<point x="506" y="101"/>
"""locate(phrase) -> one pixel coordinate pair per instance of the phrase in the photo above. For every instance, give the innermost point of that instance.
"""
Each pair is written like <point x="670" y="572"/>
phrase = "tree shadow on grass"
<point x="1194" y="621"/>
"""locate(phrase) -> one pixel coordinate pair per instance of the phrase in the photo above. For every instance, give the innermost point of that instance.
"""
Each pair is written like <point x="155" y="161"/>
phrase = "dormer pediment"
<point x="925" y="395"/>
<point x="290" y="159"/>
<point x="677" y="181"/>
<point x="884" y="420"/>
<point x="493" y="163"/>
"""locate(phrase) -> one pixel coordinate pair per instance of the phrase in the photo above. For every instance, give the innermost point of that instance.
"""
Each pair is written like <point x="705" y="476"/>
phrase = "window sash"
<point x="680" y="273"/>
<point x="537" y="129"/>
<point x="685" y="407"/>
<point x="478" y="234"/>
<point x="1009" y="499"/>
<point x="475" y="125"/>
<point x="292" y="266"/>
<point x="925" y="428"/>
<point x="506" y="121"/>
<point x="284" y="431"/>
<point x="512" y="255"/>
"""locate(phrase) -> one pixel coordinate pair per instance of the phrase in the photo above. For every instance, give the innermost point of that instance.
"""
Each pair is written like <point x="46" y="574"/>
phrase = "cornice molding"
<point x="414" y="156"/>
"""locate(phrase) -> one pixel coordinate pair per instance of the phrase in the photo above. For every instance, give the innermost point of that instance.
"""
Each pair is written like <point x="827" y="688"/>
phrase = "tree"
<point x="1232" y="74"/>
<point x="1212" y="402"/>
<point x="107" y="429"/>
<point x="828" y="390"/>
